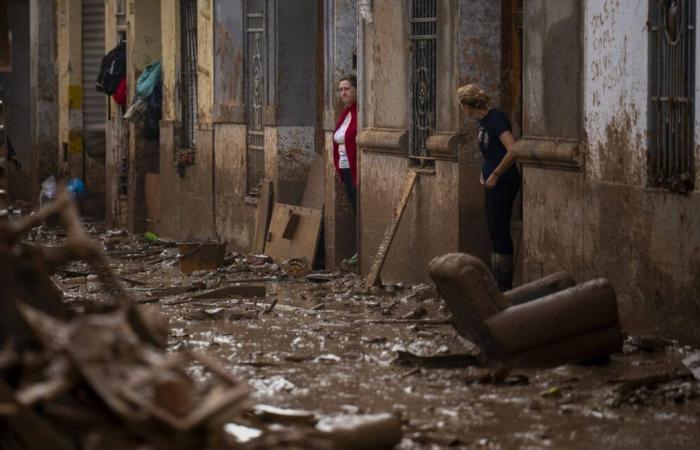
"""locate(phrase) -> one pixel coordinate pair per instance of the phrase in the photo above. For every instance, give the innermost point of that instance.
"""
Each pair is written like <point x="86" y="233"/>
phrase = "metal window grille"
<point x="423" y="37"/>
<point x="188" y="70"/>
<point x="255" y="93"/>
<point x="671" y="90"/>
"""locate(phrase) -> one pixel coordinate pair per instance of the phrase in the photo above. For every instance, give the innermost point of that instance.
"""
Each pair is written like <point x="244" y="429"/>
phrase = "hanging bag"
<point x="112" y="70"/>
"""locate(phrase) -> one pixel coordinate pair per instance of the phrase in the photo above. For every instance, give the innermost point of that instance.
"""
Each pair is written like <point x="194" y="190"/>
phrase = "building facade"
<point x="28" y="80"/>
<point x="414" y="55"/>
<point x="611" y="153"/>
<point x="252" y="67"/>
<point x="602" y="93"/>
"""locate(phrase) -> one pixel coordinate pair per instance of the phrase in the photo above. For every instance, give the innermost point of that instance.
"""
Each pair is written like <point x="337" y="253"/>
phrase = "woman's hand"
<point x="481" y="178"/>
<point x="491" y="181"/>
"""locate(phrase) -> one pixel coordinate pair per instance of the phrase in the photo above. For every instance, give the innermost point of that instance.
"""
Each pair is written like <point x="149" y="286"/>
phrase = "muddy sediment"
<point x="331" y="347"/>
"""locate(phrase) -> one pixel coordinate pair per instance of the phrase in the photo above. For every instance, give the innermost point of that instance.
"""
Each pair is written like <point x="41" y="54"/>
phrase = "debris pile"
<point x="104" y="381"/>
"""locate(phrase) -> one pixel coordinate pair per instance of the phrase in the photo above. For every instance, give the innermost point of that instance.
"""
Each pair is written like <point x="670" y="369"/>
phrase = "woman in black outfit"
<point x="499" y="176"/>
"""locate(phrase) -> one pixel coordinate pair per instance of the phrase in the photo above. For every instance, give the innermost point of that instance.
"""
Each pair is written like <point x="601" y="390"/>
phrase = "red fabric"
<point x="119" y="95"/>
<point x="350" y="144"/>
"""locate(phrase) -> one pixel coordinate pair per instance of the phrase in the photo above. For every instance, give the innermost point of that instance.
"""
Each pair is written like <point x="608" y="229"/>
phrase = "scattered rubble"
<point x="255" y="356"/>
<point x="104" y="380"/>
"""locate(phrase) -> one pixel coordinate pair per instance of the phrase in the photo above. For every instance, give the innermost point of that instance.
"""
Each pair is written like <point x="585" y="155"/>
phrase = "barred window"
<point x="671" y="91"/>
<point x="188" y="70"/>
<point x="423" y="39"/>
<point x="255" y="85"/>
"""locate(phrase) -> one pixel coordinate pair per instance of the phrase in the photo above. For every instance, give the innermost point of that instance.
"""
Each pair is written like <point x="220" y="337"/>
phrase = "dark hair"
<point x="351" y="78"/>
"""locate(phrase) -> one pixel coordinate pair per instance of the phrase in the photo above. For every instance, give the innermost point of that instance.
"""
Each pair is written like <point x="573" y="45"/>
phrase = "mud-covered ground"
<point x="330" y="347"/>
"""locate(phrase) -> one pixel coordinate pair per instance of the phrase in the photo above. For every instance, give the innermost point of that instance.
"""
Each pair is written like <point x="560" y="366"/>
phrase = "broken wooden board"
<point x="293" y="233"/>
<point x="314" y="192"/>
<point x="390" y="232"/>
<point x="262" y="218"/>
<point x="238" y="290"/>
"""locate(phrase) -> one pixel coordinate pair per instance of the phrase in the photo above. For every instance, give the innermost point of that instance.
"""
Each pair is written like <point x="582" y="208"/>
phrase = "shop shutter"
<point x="94" y="102"/>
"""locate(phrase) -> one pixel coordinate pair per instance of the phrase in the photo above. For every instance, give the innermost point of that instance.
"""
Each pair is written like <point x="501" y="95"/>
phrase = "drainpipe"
<point x="366" y="10"/>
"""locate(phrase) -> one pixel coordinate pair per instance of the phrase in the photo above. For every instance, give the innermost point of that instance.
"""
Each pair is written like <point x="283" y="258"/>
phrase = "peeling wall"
<point x="235" y="219"/>
<point x="480" y="45"/>
<point x="70" y="93"/>
<point x="44" y="94"/>
<point x="616" y="76"/>
<point x="295" y="153"/>
<point x="552" y="105"/>
<point x="603" y="221"/>
<point x="385" y="83"/>
<point x="187" y="203"/>
<point x="170" y="31"/>
<point x="205" y="62"/>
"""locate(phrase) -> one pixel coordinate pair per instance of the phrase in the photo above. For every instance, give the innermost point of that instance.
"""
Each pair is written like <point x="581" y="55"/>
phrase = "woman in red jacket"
<point x="344" y="146"/>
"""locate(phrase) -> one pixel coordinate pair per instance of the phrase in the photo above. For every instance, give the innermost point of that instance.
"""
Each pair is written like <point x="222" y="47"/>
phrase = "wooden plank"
<point x="390" y="232"/>
<point x="313" y="192"/>
<point x="304" y="241"/>
<point x="262" y="218"/>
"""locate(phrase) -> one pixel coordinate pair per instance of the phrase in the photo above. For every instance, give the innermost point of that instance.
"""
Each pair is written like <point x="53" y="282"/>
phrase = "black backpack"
<point x="112" y="70"/>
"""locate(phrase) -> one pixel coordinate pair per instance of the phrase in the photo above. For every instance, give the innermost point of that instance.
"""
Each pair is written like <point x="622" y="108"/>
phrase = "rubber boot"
<point x="504" y="272"/>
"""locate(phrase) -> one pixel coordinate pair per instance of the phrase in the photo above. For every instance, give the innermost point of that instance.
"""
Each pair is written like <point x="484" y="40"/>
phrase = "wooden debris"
<point x="262" y="218"/>
<point x="383" y="249"/>
<point x="301" y="226"/>
<point x="104" y="381"/>
<point x="296" y="267"/>
<point x="362" y="432"/>
<point x="201" y="256"/>
<point x="237" y="290"/>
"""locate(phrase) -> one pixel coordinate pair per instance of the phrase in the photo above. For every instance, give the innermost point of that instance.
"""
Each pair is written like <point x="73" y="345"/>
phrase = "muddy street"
<point x="324" y="344"/>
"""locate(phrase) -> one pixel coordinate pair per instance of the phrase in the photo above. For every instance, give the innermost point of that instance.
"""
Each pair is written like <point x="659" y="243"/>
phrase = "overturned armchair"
<point x="548" y="322"/>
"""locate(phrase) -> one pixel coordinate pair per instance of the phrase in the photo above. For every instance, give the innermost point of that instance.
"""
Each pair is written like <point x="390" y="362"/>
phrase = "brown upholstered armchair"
<point x="545" y="323"/>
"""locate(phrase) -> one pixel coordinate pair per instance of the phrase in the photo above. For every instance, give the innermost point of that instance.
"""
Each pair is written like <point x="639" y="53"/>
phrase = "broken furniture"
<point x="293" y="233"/>
<point x="196" y="256"/>
<point x="289" y="234"/>
<point x="546" y="323"/>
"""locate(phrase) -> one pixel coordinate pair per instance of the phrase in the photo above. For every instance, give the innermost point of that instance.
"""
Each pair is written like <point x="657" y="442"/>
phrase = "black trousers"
<point x="346" y="176"/>
<point x="499" y="207"/>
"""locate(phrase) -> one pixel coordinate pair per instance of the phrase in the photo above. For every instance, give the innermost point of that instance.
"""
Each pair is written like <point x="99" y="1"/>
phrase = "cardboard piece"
<point x="293" y="233"/>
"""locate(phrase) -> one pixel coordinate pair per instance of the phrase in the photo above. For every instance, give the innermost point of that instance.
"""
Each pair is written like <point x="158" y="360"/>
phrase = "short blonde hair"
<point x="472" y="95"/>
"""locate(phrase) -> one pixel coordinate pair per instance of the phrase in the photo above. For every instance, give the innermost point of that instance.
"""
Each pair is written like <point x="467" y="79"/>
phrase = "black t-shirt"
<point x="490" y="129"/>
